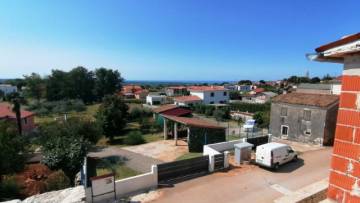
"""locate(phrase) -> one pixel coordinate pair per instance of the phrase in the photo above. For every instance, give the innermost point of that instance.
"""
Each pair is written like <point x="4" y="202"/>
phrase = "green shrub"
<point x="57" y="181"/>
<point x="62" y="106"/>
<point x="134" y="138"/>
<point x="9" y="189"/>
<point x="201" y="136"/>
<point x="249" y="107"/>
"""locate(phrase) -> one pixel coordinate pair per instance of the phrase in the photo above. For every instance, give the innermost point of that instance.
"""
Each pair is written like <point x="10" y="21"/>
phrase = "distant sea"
<point x="168" y="82"/>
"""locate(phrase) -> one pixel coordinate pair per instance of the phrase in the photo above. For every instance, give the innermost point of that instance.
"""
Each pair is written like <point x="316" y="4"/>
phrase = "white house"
<point x="210" y="94"/>
<point x="7" y="89"/>
<point x="155" y="99"/>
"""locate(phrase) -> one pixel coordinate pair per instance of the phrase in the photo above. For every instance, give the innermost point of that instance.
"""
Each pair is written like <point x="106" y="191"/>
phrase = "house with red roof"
<point x="27" y="117"/>
<point x="210" y="94"/>
<point x="134" y="91"/>
<point x="187" y="100"/>
<point x="176" y="91"/>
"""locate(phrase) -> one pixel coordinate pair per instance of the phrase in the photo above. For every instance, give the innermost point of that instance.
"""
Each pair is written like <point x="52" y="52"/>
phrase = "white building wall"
<point x="216" y="99"/>
<point x="7" y="89"/>
<point x="336" y="89"/>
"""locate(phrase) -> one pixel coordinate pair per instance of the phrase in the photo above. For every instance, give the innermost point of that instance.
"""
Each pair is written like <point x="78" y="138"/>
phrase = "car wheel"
<point x="295" y="158"/>
<point x="276" y="166"/>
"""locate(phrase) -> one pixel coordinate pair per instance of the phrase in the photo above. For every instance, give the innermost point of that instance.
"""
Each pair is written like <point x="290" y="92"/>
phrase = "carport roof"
<point x="196" y="122"/>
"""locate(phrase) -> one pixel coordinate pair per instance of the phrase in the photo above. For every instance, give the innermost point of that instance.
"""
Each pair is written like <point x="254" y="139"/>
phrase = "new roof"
<point x="206" y="88"/>
<point x="196" y="122"/>
<point x="6" y="112"/>
<point x="187" y="98"/>
<point x="342" y="41"/>
<point x="319" y="100"/>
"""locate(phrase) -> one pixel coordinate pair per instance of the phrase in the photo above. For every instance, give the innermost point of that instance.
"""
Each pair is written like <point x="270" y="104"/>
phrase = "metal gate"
<point x="219" y="161"/>
<point x="183" y="168"/>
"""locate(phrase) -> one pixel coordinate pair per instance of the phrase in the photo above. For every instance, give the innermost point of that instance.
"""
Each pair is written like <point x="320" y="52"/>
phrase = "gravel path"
<point x="135" y="161"/>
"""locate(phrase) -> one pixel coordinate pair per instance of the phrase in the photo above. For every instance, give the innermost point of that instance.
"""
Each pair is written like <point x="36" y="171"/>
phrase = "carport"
<point x="187" y="123"/>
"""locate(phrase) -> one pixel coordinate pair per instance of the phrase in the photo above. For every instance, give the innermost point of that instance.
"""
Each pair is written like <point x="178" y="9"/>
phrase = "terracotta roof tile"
<point x="196" y="122"/>
<point x="165" y="108"/>
<point x="6" y="112"/>
<point x="206" y="88"/>
<point x="319" y="100"/>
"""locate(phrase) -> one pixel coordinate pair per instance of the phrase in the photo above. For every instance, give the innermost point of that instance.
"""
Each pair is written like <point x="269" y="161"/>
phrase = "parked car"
<point x="273" y="155"/>
<point x="249" y="125"/>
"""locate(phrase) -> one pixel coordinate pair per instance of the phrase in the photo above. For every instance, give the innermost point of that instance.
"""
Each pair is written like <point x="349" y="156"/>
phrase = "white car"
<point x="273" y="154"/>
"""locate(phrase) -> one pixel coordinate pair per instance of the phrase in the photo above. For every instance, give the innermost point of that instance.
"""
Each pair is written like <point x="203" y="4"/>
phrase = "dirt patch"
<point x="146" y="197"/>
<point x="32" y="179"/>
<point x="164" y="150"/>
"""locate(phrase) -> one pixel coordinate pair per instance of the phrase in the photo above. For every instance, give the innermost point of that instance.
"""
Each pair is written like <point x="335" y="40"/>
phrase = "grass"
<point x="121" y="171"/>
<point x="119" y="140"/>
<point x="189" y="155"/>
<point x="88" y="114"/>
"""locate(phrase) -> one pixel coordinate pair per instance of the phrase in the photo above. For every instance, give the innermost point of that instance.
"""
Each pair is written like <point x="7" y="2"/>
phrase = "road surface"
<point x="251" y="183"/>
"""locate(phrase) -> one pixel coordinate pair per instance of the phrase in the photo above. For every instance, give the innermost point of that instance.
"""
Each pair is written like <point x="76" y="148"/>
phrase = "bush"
<point x="62" y="106"/>
<point x="57" y="181"/>
<point x="134" y="138"/>
<point x="249" y="107"/>
<point x="209" y="110"/>
<point x="137" y="113"/>
<point x="9" y="189"/>
<point x="221" y="114"/>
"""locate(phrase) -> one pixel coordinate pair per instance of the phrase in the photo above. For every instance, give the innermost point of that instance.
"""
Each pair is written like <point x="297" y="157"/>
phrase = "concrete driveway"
<point x="251" y="183"/>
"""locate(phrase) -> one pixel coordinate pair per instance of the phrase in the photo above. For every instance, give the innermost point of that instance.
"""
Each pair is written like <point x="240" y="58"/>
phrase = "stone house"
<point x="309" y="118"/>
<point x="27" y="118"/>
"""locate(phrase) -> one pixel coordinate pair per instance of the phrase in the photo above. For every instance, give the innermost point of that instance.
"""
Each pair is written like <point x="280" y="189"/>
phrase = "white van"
<point x="274" y="154"/>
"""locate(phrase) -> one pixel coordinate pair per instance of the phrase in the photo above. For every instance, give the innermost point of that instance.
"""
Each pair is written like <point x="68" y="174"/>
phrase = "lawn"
<point x="119" y="140"/>
<point x="190" y="155"/>
<point x="114" y="164"/>
<point x="88" y="114"/>
<point x="121" y="172"/>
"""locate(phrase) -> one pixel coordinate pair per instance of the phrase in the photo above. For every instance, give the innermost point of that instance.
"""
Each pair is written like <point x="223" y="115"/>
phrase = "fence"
<point x="183" y="168"/>
<point x="256" y="141"/>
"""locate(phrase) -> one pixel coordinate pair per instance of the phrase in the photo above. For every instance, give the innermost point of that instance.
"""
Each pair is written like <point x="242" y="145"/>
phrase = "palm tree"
<point x="17" y="110"/>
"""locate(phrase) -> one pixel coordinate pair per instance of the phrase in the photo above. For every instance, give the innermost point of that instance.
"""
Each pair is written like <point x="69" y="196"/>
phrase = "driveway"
<point x="135" y="161"/>
<point x="164" y="150"/>
<point x="251" y="183"/>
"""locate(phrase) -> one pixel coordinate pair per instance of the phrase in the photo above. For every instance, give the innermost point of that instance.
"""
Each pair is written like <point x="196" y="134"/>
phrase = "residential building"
<point x="153" y="99"/>
<point x="187" y="100"/>
<point x="134" y="91"/>
<point x="210" y="94"/>
<point x="344" y="180"/>
<point x="244" y="88"/>
<point x="331" y="88"/>
<point x="7" y="89"/>
<point x="176" y="91"/>
<point x="169" y="110"/>
<point x="257" y="90"/>
<point x="27" y="117"/>
<point x="308" y="118"/>
<point x="264" y="97"/>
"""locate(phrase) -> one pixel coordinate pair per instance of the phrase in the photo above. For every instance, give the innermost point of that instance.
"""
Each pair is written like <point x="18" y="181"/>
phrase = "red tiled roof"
<point x="320" y="100"/>
<point x="177" y="112"/>
<point x="187" y="98"/>
<point x="340" y="42"/>
<point x="131" y="88"/>
<point x="259" y="90"/>
<point x="196" y="122"/>
<point x="6" y="112"/>
<point x="165" y="108"/>
<point x="206" y="88"/>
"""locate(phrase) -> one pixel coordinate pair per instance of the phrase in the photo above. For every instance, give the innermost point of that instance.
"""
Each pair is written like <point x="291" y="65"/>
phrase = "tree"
<point x="326" y="78"/>
<point x="315" y="80"/>
<point x="65" y="144"/>
<point x="83" y="82"/>
<point x="12" y="148"/>
<point x="221" y="114"/>
<point x="19" y="83"/>
<point x="17" y="110"/>
<point x="112" y="115"/>
<point x="262" y="82"/>
<point x="245" y="82"/>
<point x="262" y="119"/>
<point x="107" y="82"/>
<point x="35" y="86"/>
<point x="58" y="86"/>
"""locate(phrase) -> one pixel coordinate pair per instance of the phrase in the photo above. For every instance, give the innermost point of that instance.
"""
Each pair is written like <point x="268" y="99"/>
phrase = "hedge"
<point x="249" y="107"/>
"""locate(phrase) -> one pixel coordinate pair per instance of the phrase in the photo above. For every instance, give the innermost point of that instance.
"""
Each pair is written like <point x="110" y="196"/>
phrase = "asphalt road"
<point x="251" y="183"/>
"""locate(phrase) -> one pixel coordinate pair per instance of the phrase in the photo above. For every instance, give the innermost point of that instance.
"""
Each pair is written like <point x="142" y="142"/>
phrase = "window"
<point x="284" y="111"/>
<point x="308" y="132"/>
<point x="25" y="121"/>
<point x="284" y="130"/>
<point x="212" y="94"/>
<point x="212" y="102"/>
<point x="225" y="93"/>
<point x="307" y="115"/>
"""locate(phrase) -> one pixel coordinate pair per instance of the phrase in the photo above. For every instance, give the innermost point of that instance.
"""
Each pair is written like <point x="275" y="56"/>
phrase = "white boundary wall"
<point x="129" y="186"/>
<point x="217" y="148"/>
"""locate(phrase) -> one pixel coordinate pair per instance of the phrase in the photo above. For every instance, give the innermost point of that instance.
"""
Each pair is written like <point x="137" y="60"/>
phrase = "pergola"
<point x="187" y="122"/>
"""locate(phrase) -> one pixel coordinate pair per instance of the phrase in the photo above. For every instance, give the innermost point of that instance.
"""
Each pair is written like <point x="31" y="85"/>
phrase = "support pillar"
<point x="175" y="133"/>
<point x="188" y="136"/>
<point x="165" y="129"/>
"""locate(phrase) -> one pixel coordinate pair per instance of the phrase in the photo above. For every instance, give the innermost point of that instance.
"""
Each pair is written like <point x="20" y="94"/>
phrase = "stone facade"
<point x="319" y="129"/>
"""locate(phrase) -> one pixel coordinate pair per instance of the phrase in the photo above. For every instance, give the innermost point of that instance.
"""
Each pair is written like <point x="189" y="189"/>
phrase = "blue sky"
<point x="173" y="40"/>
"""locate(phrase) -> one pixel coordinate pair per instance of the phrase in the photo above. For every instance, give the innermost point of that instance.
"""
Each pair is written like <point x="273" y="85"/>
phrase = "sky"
<point x="217" y="40"/>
